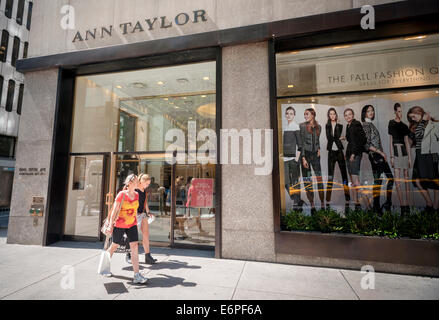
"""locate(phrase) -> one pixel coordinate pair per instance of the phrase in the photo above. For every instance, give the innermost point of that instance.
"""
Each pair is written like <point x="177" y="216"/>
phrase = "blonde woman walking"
<point x="126" y="223"/>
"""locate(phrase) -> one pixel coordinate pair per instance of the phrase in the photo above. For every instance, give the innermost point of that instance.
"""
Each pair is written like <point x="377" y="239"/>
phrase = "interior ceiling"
<point x="184" y="92"/>
<point x="188" y="78"/>
<point x="181" y="108"/>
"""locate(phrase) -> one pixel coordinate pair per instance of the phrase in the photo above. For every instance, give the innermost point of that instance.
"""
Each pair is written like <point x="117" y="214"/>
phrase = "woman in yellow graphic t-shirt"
<point x="126" y="223"/>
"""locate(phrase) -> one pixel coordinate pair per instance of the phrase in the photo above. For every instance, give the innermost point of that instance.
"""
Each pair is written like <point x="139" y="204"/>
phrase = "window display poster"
<point x="364" y="151"/>
<point x="201" y="195"/>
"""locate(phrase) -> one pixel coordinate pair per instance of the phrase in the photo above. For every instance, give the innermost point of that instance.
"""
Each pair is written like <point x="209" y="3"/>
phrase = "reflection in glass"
<point x="195" y="204"/>
<point x="130" y="111"/>
<point x="84" y="196"/>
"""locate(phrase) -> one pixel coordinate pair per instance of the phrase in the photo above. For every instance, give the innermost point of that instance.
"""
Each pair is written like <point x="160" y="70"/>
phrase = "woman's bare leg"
<point x="145" y="234"/>
<point x="135" y="255"/>
<point x="112" y="248"/>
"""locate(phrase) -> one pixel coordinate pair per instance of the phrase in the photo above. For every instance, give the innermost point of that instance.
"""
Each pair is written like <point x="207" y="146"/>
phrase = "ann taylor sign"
<point x="149" y="24"/>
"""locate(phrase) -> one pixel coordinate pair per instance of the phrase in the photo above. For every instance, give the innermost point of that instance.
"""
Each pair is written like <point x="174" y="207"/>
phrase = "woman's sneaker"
<point x="106" y="274"/>
<point x="138" y="278"/>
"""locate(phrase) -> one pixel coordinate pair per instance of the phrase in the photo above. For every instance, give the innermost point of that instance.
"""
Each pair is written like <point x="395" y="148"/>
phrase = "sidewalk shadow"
<point x="158" y="282"/>
<point x="77" y="245"/>
<point x="167" y="282"/>
<point x="169" y="264"/>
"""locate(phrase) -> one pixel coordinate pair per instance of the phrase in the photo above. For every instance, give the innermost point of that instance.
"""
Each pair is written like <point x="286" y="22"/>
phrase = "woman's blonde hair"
<point x="144" y="177"/>
<point x="129" y="179"/>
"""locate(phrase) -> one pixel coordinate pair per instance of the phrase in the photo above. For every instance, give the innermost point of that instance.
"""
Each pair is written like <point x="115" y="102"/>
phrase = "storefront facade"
<point x="103" y="95"/>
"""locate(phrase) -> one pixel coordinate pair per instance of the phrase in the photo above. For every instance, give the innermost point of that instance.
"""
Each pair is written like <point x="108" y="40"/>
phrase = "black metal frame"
<point x="57" y="192"/>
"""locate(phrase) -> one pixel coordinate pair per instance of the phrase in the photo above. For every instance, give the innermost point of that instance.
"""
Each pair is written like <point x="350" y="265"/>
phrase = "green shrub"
<point x="298" y="221"/>
<point x="362" y="222"/>
<point x="417" y="225"/>
<point x="327" y="220"/>
<point x="421" y="224"/>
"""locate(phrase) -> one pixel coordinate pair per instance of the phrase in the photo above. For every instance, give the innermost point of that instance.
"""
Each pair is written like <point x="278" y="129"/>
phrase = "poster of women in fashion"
<point x="396" y="169"/>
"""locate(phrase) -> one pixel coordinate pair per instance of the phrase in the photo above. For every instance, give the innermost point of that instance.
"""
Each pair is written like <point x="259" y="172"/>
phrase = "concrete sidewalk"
<point x="35" y="272"/>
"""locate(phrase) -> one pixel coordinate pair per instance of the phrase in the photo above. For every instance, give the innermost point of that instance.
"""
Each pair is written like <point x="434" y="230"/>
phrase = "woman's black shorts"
<point x="131" y="233"/>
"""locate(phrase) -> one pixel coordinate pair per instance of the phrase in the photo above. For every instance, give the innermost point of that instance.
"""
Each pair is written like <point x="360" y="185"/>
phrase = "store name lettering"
<point x="150" y="24"/>
<point x="391" y="74"/>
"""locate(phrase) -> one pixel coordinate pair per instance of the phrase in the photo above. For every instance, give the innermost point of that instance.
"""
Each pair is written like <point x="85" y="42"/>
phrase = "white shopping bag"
<point x="104" y="261"/>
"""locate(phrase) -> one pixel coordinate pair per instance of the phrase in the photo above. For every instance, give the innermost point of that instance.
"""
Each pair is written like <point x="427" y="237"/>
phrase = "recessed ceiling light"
<point x="185" y="98"/>
<point x="205" y="78"/>
<point x="160" y="83"/>
<point x="415" y="38"/>
<point x="291" y="86"/>
<point x="203" y="96"/>
<point x="119" y="87"/>
<point x="138" y="85"/>
<point x="176" y="107"/>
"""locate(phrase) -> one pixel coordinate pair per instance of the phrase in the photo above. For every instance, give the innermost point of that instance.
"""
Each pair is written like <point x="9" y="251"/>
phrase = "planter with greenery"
<point x="417" y="225"/>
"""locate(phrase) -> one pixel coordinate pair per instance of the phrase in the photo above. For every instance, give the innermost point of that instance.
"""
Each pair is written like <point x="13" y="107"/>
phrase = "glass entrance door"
<point x="85" y="205"/>
<point x="190" y="214"/>
<point x="158" y="192"/>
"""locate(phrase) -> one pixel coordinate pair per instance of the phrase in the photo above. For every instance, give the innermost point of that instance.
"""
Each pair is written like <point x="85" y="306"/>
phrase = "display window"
<point x="132" y="114"/>
<point x="358" y="129"/>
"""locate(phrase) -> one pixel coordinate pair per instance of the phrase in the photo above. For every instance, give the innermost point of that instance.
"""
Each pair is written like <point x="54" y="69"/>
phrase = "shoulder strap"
<point x="120" y="208"/>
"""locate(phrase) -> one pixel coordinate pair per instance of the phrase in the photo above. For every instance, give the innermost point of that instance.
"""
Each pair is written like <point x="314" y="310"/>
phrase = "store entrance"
<point x="173" y="197"/>
<point x="124" y="122"/>
<point x="158" y="192"/>
<point x="181" y="197"/>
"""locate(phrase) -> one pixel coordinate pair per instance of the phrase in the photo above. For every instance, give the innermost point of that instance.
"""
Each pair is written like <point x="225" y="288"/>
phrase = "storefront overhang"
<point x="399" y="18"/>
